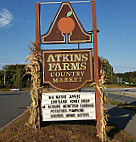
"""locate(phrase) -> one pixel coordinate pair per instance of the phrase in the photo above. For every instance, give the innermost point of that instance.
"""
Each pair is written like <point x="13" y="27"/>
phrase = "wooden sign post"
<point x="37" y="24"/>
<point x="96" y="66"/>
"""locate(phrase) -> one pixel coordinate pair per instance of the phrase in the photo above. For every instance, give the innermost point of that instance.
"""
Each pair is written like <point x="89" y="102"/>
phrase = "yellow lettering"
<point x="65" y="79"/>
<point x="78" y="73"/>
<point x="57" y="67"/>
<point x="62" y="73"/>
<point x="57" y="74"/>
<point x="61" y="80"/>
<point x="75" y="66"/>
<point x="70" y="79"/>
<point x="75" y="79"/>
<point x="80" y="79"/>
<point x="68" y="74"/>
<point x="77" y="57"/>
<point x="51" y="66"/>
<point x="50" y="58"/>
<point x="84" y="57"/>
<point x="82" y="73"/>
<point x="55" y="80"/>
<point x="65" y="57"/>
<point x="71" y="57"/>
<point x="51" y="74"/>
<point x="66" y="66"/>
<point x="83" y="66"/>
<point x="58" y="56"/>
<point x="73" y="73"/>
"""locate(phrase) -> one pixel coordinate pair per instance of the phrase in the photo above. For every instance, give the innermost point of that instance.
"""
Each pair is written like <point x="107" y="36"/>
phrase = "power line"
<point x="126" y="67"/>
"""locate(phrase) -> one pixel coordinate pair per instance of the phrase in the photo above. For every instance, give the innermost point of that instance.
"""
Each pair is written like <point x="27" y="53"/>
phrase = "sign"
<point x="68" y="106"/>
<point x="67" y="70"/>
<point x="119" y="80"/>
<point x="58" y="33"/>
<point x="66" y="22"/>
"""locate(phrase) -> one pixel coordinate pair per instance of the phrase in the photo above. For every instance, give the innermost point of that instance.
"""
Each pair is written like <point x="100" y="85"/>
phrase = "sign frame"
<point x="90" y="70"/>
<point x="78" y="35"/>
<point x="67" y="106"/>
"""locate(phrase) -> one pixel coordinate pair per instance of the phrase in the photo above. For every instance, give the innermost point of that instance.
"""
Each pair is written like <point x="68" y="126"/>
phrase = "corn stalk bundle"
<point x="103" y="100"/>
<point x="33" y="68"/>
<point x="103" y="116"/>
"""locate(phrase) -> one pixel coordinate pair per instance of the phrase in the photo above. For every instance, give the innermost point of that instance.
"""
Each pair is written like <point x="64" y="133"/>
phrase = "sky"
<point x="116" y="20"/>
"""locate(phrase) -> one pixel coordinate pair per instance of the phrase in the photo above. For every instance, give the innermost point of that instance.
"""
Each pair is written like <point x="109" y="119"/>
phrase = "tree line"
<point x="13" y="76"/>
<point x="128" y="78"/>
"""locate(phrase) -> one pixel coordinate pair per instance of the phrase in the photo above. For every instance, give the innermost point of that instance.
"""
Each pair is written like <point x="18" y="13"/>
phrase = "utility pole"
<point x="4" y="77"/>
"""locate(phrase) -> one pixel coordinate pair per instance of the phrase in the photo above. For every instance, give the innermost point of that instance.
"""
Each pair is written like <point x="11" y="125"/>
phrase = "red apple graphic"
<point x="66" y="24"/>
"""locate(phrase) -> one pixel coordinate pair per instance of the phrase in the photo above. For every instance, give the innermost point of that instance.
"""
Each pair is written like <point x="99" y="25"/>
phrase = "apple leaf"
<point x="69" y="13"/>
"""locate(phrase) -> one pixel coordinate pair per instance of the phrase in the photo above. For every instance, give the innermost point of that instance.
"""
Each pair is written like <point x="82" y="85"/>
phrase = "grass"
<point x="4" y="89"/>
<point x="68" y="131"/>
<point x="123" y="105"/>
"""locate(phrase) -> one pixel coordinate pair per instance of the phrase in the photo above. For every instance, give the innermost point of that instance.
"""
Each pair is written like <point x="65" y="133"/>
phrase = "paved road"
<point x="122" y="98"/>
<point x="125" y="95"/>
<point x="12" y="104"/>
<point x="114" y="89"/>
<point x="129" y="90"/>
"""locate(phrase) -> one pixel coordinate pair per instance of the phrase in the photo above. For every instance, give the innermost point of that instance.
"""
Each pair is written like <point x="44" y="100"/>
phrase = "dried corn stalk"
<point x="33" y="68"/>
<point x="103" y="100"/>
<point x="103" y="116"/>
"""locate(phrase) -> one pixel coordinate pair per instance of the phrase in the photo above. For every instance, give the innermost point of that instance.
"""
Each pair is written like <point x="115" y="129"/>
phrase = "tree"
<point x="107" y="68"/>
<point x="17" y="78"/>
<point x="1" y="79"/>
<point x="13" y="76"/>
<point x="129" y="77"/>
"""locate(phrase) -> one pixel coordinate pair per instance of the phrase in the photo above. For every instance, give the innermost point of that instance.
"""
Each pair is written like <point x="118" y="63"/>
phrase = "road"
<point x="125" y="95"/>
<point x="12" y="104"/>
<point x="122" y="98"/>
<point x="122" y="90"/>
